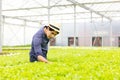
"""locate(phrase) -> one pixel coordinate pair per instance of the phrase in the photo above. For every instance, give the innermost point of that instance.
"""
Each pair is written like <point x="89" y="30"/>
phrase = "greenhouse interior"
<point x="85" y="45"/>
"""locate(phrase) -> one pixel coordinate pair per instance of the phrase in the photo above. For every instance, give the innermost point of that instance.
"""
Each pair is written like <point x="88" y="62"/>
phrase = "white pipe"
<point x="74" y="25"/>
<point x="48" y="11"/>
<point x="0" y="27"/>
<point x="111" y="34"/>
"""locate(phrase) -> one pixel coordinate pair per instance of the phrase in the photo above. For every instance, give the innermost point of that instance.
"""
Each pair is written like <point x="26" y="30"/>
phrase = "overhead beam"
<point x="103" y="2"/>
<point x="20" y="25"/>
<point x="68" y="19"/>
<point x="50" y="14"/>
<point x="66" y="5"/>
<point x="38" y="7"/>
<point x="89" y="9"/>
<point x="20" y="18"/>
<point x="106" y="11"/>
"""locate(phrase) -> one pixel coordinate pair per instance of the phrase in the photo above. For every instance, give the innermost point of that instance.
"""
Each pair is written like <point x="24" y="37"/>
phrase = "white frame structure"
<point x="0" y="26"/>
<point x="73" y="4"/>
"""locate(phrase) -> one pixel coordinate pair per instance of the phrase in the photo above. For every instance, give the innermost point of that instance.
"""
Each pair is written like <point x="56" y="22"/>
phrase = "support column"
<point x="91" y="21"/>
<point x="24" y="32"/>
<point x="0" y="26"/>
<point x="48" y="11"/>
<point x="48" y="15"/>
<point x="111" y="34"/>
<point x="74" y="25"/>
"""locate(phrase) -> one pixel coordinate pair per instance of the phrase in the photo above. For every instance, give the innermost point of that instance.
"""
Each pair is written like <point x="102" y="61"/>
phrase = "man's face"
<point x="51" y="34"/>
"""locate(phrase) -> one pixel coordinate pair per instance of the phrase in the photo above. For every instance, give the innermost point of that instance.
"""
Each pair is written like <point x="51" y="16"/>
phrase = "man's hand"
<point x="41" y="58"/>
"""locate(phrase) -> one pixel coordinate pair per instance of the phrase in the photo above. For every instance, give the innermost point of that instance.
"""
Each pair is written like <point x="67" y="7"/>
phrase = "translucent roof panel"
<point x="38" y="9"/>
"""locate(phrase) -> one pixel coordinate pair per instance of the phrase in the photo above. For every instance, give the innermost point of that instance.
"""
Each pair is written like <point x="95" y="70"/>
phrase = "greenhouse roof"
<point x="39" y="10"/>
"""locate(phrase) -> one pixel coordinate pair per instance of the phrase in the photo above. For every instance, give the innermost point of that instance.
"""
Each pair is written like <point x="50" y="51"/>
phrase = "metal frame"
<point x="73" y="3"/>
<point x="83" y="5"/>
<point x="0" y="27"/>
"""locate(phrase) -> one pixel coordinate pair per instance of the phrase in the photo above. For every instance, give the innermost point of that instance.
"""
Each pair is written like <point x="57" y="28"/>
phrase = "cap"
<point x="55" y="26"/>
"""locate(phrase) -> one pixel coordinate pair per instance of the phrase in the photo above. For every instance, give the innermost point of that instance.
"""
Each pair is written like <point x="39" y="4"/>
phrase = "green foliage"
<point x="67" y="64"/>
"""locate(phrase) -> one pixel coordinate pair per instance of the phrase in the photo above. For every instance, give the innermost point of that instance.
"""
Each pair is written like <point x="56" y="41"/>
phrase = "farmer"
<point x="39" y="46"/>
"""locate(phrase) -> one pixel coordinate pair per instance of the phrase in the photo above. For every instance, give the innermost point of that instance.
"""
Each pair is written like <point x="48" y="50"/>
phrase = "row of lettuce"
<point x="67" y="64"/>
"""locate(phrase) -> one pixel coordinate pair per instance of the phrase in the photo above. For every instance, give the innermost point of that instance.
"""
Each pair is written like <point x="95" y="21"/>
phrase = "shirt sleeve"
<point x="37" y="46"/>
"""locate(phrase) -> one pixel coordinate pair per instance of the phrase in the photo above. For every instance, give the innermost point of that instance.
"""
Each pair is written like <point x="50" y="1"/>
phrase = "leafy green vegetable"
<point x="68" y="63"/>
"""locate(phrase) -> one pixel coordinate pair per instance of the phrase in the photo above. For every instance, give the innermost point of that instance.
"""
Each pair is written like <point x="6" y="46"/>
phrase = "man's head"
<point x="52" y="30"/>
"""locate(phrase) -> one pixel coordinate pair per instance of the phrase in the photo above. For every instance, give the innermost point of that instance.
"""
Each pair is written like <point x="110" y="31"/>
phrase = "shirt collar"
<point x="44" y="35"/>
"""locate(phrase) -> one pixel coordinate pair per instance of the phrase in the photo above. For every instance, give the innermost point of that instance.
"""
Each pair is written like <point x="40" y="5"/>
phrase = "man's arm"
<point x="41" y="58"/>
